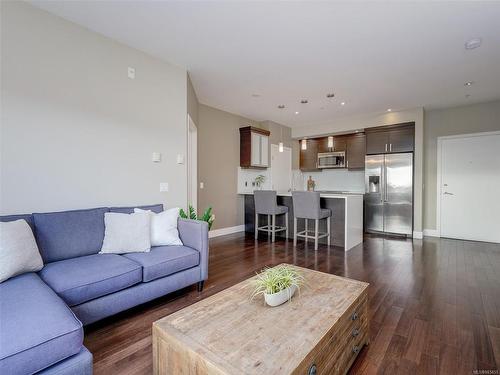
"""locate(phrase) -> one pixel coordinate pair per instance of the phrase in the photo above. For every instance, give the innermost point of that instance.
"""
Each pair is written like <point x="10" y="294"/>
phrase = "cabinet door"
<point x="255" y="150"/>
<point x="355" y="153"/>
<point x="377" y="142"/>
<point x="309" y="157"/>
<point x="339" y="143"/>
<point x="264" y="151"/>
<point x="401" y="140"/>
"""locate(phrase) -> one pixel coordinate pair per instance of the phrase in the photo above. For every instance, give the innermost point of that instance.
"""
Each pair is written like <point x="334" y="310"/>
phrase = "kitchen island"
<point x="346" y="225"/>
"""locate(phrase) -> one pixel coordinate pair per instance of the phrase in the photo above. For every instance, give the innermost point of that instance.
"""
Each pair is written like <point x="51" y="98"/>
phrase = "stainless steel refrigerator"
<point x="389" y="193"/>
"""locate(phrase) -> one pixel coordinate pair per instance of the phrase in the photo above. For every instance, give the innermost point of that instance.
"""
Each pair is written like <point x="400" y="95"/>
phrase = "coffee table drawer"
<point x="338" y="352"/>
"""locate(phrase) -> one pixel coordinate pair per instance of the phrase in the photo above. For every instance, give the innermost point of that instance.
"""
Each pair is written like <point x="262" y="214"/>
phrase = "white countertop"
<point x="342" y="195"/>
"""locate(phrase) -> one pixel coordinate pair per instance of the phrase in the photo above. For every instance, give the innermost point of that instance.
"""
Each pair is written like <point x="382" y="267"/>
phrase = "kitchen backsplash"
<point x="246" y="179"/>
<point x="337" y="180"/>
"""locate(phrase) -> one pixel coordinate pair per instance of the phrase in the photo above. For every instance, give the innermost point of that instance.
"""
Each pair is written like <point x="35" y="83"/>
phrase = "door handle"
<point x="446" y="193"/>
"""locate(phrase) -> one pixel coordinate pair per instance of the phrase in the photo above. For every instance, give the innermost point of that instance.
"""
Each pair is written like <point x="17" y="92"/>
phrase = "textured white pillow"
<point x="163" y="227"/>
<point x="18" y="250"/>
<point x="126" y="233"/>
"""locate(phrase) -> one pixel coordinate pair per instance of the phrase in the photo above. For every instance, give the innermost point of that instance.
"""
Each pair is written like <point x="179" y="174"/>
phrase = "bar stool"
<point x="306" y="205"/>
<point x="266" y="204"/>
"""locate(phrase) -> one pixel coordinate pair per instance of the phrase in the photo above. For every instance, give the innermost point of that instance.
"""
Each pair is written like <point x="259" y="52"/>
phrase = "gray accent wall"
<point x="475" y="118"/>
<point x="76" y="131"/>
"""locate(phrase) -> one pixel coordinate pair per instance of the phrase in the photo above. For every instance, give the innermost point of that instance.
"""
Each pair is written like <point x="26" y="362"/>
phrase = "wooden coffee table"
<point x="320" y="331"/>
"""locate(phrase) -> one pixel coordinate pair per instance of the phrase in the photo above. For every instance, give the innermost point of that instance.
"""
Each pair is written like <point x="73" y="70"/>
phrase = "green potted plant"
<point x="207" y="216"/>
<point x="278" y="284"/>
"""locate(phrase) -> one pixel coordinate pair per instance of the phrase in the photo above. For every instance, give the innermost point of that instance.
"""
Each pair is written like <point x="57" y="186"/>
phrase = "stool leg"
<point x="305" y="225"/>
<point x="286" y="225"/>
<point x="256" y="225"/>
<point x="294" y="231"/>
<point x="316" y="232"/>
<point x="273" y="228"/>
<point x="268" y="226"/>
<point x="328" y="229"/>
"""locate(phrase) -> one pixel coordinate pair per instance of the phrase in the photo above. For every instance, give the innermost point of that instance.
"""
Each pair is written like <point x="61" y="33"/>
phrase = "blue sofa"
<point x="42" y="314"/>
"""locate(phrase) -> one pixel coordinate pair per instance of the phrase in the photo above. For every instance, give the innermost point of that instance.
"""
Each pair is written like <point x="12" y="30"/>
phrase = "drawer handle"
<point x="355" y="332"/>
<point x="312" y="370"/>
<point x="355" y="349"/>
<point x="354" y="316"/>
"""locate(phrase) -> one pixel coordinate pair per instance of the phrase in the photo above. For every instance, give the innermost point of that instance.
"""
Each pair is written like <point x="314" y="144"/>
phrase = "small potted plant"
<point x="278" y="284"/>
<point x="207" y="216"/>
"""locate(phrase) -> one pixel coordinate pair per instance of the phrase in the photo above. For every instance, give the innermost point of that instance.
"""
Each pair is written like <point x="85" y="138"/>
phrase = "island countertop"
<point x="346" y="223"/>
<point x="323" y="194"/>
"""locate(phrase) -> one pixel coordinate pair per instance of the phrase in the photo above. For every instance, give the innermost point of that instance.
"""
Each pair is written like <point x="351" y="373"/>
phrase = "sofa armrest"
<point x="194" y="233"/>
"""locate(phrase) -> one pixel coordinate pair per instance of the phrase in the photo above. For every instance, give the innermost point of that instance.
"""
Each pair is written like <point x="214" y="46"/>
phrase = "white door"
<point x="470" y="187"/>
<point x="281" y="168"/>
<point x="192" y="164"/>
<point x="255" y="149"/>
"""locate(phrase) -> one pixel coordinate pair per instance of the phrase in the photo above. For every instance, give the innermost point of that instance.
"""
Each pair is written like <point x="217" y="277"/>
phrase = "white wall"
<point x="76" y="132"/>
<point x="378" y="119"/>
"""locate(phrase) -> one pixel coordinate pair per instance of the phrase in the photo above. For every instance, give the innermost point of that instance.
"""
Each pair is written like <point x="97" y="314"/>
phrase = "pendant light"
<point x="330" y="142"/>
<point x="303" y="144"/>
<point x="280" y="145"/>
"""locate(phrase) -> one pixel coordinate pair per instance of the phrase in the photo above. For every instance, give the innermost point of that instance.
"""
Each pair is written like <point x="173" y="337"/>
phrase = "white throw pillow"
<point x="126" y="233"/>
<point x="18" y="250"/>
<point x="163" y="227"/>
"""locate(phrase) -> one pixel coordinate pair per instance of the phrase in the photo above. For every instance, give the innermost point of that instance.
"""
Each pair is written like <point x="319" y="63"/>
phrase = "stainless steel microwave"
<point x="331" y="159"/>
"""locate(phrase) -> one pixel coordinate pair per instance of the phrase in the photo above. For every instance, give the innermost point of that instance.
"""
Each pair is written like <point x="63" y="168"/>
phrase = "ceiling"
<point x="249" y="57"/>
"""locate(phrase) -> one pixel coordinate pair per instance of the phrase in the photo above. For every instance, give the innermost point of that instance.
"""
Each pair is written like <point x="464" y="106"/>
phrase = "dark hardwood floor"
<point x="434" y="304"/>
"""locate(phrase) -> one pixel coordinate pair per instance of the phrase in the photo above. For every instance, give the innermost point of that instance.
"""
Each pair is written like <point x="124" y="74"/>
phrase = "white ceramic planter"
<point x="281" y="297"/>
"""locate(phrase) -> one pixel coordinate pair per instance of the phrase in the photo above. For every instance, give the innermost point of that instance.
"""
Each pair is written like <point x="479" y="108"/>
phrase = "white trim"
<point x="438" y="171"/>
<point x="227" y="230"/>
<point x="431" y="233"/>
<point x="418" y="235"/>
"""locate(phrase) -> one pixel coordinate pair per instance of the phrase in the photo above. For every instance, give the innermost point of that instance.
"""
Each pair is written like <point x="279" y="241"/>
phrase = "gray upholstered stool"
<point x="266" y="204"/>
<point x="306" y="205"/>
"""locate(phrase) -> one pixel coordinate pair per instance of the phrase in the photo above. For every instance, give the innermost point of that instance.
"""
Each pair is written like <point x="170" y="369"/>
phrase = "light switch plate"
<point x="163" y="187"/>
<point x="131" y="72"/>
<point x="202" y="185"/>
<point x="180" y="159"/>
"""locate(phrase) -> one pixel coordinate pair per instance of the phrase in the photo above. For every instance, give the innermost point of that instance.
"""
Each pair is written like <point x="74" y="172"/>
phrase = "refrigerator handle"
<point x="382" y="184"/>
<point x="385" y="183"/>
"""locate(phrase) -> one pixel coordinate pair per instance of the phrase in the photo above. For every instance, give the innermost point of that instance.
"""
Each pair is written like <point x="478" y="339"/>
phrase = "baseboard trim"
<point x="227" y="230"/>
<point x="431" y="233"/>
<point x="418" y="235"/>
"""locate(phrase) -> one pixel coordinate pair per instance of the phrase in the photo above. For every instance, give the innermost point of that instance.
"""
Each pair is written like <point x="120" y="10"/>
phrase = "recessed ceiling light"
<point x="331" y="95"/>
<point x="389" y="110"/>
<point x="467" y="96"/>
<point x="468" y="83"/>
<point x="281" y="106"/>
<point x="304" y="101"/>
<point x="321" y="107"/>
<point x="343" y="103"/>
<point x="296" y="112"/>
<point x="256" y="95"/>
<point x="473" y="43"/>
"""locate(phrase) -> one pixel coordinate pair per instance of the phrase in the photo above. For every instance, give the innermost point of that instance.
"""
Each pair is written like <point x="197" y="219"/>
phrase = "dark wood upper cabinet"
<point x="309" y="157"/>
<point x="402" y="140"/>
<point x="355" y="151"/>
<point x="390" y="139"/>
<point x="254" y="147"/>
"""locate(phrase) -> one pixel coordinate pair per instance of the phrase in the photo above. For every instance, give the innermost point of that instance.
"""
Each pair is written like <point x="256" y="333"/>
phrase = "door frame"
<point x="192" y="163"/>
<point x="439" y="159"/>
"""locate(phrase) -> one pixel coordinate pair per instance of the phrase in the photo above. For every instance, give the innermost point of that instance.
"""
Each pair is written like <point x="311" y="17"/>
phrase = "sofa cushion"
<point x="156" y="208"/>
<point x="69" y="234"/>
<point x="82" y="279"/>
<point x="162" y="261"/>
<point x="37" y="328"/>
